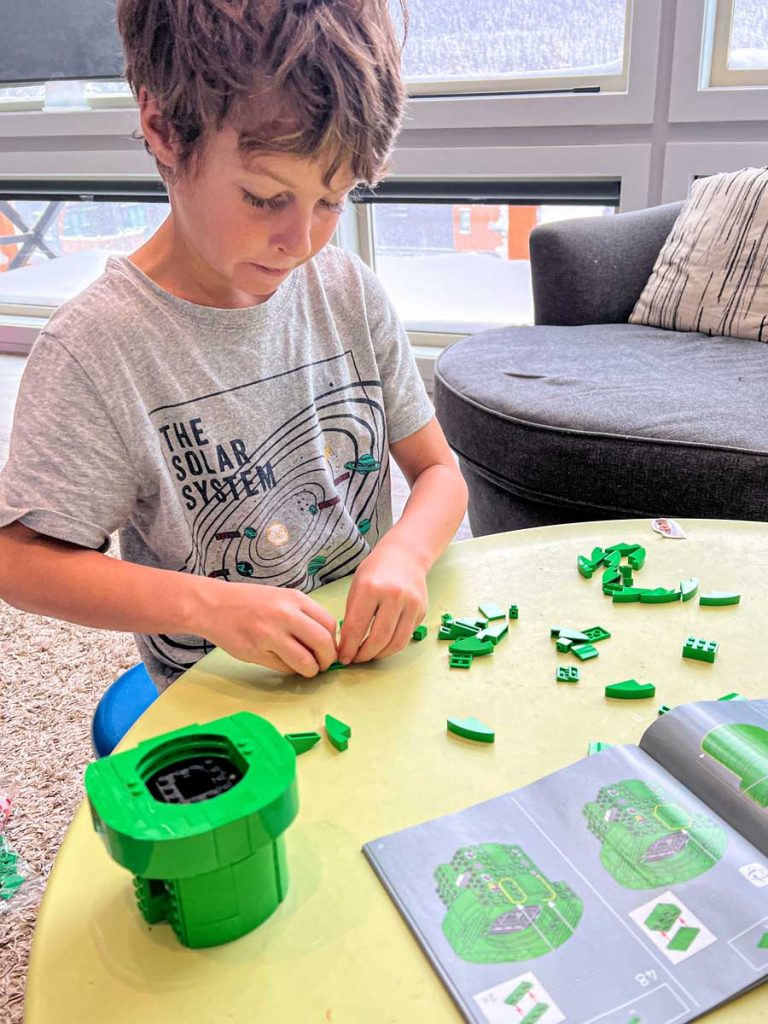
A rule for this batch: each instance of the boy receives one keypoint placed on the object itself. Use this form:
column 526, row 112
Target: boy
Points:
column 227, row 397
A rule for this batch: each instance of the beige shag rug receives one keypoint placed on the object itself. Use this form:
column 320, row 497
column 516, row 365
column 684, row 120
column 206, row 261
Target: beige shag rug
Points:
column 52, row 675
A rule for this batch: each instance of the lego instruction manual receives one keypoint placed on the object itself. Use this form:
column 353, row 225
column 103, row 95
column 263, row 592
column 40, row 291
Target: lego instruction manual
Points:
column 628, row 888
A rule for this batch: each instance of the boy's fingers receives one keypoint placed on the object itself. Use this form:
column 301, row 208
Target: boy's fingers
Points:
column 276, row 664
column 319, row 614
column 402, row 635
column 317, row 640
column 360, row 610
column 384, row 625
column 297, row 657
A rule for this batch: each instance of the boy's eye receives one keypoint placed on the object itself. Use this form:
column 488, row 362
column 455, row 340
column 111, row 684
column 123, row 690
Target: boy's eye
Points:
column 277, row 203
column 333, row 207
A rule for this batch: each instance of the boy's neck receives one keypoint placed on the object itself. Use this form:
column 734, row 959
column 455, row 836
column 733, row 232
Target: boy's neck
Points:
column 168, row 261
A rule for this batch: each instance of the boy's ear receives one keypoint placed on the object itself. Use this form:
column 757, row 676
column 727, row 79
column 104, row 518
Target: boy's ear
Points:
column 155, row 129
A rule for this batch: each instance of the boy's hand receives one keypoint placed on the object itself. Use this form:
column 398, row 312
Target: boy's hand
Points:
column 277, row 627
column 389, row 596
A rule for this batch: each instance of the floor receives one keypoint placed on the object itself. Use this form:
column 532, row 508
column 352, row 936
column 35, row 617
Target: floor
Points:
column 11, row 367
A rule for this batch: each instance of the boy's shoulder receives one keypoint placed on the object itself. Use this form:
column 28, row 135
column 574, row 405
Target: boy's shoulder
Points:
column 346, row 277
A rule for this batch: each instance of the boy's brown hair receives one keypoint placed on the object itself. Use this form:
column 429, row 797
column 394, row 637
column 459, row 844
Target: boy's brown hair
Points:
column 307, row 77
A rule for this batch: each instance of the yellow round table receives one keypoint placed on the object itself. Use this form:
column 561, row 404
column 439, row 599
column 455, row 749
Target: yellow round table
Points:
column 337, row 949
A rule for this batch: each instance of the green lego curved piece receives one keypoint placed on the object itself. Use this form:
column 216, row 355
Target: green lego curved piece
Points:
column 630, row 689
column 471, row 645
column 688, row 588
column 661, row 595
column 197, row 815
column 303, row 741
column 338, row 732
column 719, row 598
column 471, row 729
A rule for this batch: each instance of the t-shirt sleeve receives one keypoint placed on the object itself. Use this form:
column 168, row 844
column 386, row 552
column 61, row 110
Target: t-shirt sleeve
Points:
column 406, row 403
column 68, row 473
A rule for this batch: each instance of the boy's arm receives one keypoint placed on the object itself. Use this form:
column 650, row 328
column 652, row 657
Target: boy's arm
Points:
column 389, row 593
column 279, row 628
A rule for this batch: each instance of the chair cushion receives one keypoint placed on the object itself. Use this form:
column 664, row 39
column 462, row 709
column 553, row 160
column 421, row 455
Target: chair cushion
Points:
column 629, row 419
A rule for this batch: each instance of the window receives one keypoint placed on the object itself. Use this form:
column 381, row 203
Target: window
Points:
column 451, row 267
column 739, row 43
column 460, row 46
column 68, row 95
column 52, row 246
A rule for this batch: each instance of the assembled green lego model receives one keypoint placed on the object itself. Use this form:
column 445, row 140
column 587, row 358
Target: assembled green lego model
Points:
column 500, row 908
column 197, row 816
column 743, row 750
column 648, row 839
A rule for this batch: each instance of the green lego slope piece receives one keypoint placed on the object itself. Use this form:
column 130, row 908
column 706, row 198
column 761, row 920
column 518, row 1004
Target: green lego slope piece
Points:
column 743, row 750
column 596, row 633
column 471, row 645
column 597, row 746
column 338, row 732
column 419, row 633
column 471, row 729
column 495, row 633
column 662, row 917
column 688, row 588
column 700, row 650
column 732, row 696
column 466, row 627
column 197, row 816
column 585, row 651
column 683, row 939
column 491, row 611
column 567, row 675
column 303, row 741
column 460, row 661
column 630, row 689
column 763, row 942
column 561, row 633
column 719, row 598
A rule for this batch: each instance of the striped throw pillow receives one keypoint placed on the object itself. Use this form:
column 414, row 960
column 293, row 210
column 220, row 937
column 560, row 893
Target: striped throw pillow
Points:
column 712, row 272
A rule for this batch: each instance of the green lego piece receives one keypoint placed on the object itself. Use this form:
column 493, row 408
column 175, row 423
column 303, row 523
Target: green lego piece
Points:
column 563, row 645
column 626, row 575
column 597, row 556
column 663, row 709
column 763, row 942
column 612, row 560
column 518, row 992
column 495, row 633
column 732, row 696
column 471, row 729
column 335, row 666
column 514, row 612
column 303, row 741
column 460, row 661
column 491, row 611
column 636, row 558
column 622, row 548
column 700, row 650
column 609, row 589
column 419, row 633
column 688, row 588
column 596, row 633
column 585, row 651
column 445, row 633
column 718, row 598
column 683, row 939
column 471, row 645
column 338, row 732
column 585, row 567
column 662, row 917
column 197, row 815
column 630, row 689
column 597, row 746
column 612, row 576
column 627, row 595
column 660, row 596
column 559, row 632
column 446, row 619
column 567, row 675
column 466, row 627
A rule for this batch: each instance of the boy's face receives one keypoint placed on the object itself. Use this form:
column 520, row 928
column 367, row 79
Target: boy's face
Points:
column 248, row 221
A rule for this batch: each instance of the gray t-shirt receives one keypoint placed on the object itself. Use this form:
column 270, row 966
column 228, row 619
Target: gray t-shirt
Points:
column 245, row 444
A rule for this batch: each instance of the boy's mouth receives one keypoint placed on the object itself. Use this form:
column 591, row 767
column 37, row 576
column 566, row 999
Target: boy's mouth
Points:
column 275, row 272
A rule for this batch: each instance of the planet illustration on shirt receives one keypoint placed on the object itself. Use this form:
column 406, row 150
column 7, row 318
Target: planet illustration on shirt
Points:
column 365, row 464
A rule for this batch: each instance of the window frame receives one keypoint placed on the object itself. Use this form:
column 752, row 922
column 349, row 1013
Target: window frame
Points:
column 720, row 75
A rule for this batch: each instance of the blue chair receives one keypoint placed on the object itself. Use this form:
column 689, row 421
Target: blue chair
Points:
column 126, row 700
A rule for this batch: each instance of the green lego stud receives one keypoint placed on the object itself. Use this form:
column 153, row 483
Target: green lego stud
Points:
column 471, row 645
column 491, row 611
column 596, row 633
column 585, row 651
column 700, row 650
column 460, row 661
column 630, row 689
column 197, row 815
column 688, row 588
column 514, row 612
column 338, row 732
column 471, row 729
column 303, row 741
column 567, row 675
column 597, row 746
column 419, row 633
column 719, row 598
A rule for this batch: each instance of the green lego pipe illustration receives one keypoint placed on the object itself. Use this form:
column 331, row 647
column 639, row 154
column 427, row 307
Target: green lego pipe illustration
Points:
column 501, row 908
column 198, row 816
column 648, row 839
column 743, row 750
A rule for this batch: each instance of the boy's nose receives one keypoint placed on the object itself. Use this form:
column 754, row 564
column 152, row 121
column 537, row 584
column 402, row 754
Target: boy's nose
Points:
column 294, row 238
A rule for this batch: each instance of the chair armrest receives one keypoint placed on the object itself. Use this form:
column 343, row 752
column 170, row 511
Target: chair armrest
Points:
column 593, row 270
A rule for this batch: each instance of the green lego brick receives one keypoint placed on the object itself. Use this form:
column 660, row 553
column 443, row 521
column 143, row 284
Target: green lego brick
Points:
column 732, row 696
column 596, row 633
column 563, row 645
column 419, row 633
column 661, row 595
column 471, row 645
column 514, row 612
column 491, row 611
column 626, row 575
column 763, row 941
column 636, row 558
column 718, row 598
column 662, row 917
column 303, row 741
column 471, row 729
column 700, row 650
column 688, row 588
column 495, row 633
column 683, row 939
column 338, row 732
column 460, row 661
column 597, row 746
column 630, row 689
column 560, row 632
column 567, row 675
column 585, row 651
column 585, row 567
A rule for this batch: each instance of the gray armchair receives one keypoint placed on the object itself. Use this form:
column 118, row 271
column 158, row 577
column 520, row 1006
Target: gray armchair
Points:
column 585, row 416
